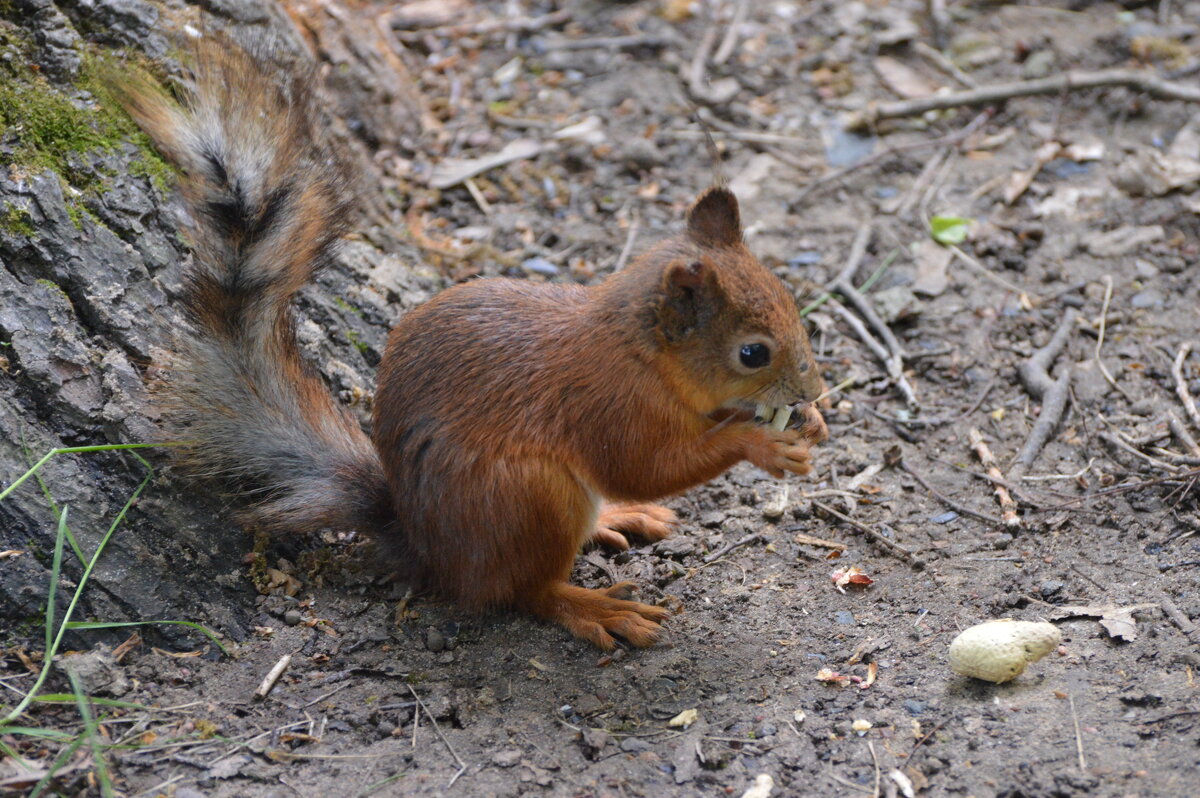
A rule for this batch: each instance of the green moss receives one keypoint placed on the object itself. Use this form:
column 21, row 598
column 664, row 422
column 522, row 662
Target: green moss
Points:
column 17, row 221
column 346, row 306
column 53, row 131
column 359, row 344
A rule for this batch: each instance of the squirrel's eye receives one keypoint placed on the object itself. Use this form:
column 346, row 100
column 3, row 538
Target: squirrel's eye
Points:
column 755, row 356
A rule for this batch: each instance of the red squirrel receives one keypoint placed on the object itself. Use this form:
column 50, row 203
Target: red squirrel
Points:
column 513, row 421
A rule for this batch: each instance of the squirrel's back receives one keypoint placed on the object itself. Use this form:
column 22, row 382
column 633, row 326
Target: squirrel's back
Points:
column 269, row 202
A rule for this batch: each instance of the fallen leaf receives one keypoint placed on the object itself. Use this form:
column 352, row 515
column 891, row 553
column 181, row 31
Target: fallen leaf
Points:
column 684, row 719
column 850, row 576
column 949, row 229
column 832, row 677
column 1117, row 621
column 902, row 79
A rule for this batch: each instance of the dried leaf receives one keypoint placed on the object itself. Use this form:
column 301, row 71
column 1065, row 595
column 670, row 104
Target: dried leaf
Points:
column 902, row 79
column 850, row 576
column 684, row 719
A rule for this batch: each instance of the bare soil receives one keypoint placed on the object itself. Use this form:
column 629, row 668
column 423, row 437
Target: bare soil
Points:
column 390, row 694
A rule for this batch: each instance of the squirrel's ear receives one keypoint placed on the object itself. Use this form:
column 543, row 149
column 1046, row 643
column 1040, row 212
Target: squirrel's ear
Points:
column 689, row 292
column 715, row 220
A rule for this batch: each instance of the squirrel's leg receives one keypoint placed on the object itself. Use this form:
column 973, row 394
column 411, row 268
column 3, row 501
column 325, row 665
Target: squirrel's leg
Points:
column 597, row 615
column 647, row 522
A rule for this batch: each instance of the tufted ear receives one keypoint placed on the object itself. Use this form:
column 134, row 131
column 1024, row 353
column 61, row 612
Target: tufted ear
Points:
column 690, row 296
column 715, row 220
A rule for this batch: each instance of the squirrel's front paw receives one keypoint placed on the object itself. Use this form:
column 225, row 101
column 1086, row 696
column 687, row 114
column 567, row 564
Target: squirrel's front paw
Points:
column 813, row 426
column 776, row 451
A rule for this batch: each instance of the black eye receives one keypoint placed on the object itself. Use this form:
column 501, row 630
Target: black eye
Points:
column 754, row 356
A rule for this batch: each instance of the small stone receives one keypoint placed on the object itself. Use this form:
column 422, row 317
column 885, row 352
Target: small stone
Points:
column 445, row 658
column 1149, row 298
column 1039, row 64
column 844, row 617
column 945, row 517
column 642, row 154
column 634, row 745
column 914, row 707
column 1051, row 588
column 507, row 758
column 1002, row 541
column 539, row 265
column 434, row 640
column 292, row 617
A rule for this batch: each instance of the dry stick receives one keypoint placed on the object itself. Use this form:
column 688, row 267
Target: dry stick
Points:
column 953, row 505
column 939, row 21
column 1075, row 80
column 875, row 536
column 1108, row 291
column 627, row 250
column 880, row 351
column 1146, row 483
column 1078, row 736
column 989, row 274
column 695, row 70
column 1054, row 402
column 462, row 766
column 721, row 552
column 1180, row 431
column 1008, row 507
column 630, row 42
column 943, row 64
column 1189, row 629
column 1034, row 373
column 1181, row 387
column 731, row 33
column 510, row 25
column 948, row 139
column 269, row 681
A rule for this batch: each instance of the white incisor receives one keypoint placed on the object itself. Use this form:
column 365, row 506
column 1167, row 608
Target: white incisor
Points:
column 998, row 651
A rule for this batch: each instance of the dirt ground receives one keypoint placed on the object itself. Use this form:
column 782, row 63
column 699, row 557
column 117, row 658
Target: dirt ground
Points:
column 389, row 694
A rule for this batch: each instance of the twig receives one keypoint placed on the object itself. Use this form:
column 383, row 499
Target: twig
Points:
column 875, row 759
column 1008, row 507
column 878, row 349
column 1078, row 736
column 1053, row 403
column 1115, row 440
column 728, row 547
column 630, row 42
column 809, row 540
column 1180, row 431
column 1034, row 372
column 510, row 25
column 875, row 536
column 731, row 33
column 626, row 250
column 948, row 139
column 858, row 250
column 906, row 468
column 1181, row 387
column 1074, row 80
column 939, row 21
column 943, row 64
column 268, row 682
column 1189, row 629
column 1108, row 292
column 462, row 766
column 989, row 274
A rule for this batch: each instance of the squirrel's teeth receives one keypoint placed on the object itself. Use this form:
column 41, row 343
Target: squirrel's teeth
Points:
column 764, row 412
column 782, row 416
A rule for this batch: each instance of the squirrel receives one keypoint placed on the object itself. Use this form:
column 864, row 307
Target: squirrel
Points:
column 513, row 422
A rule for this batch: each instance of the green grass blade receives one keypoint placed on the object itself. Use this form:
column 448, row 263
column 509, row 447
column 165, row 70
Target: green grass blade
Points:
column 210, row 634
column 69, row 698
column 48, row 734
column 115, row 447
column 60, row 760
column 55, row 571
column 93, row 737
column 48, row 657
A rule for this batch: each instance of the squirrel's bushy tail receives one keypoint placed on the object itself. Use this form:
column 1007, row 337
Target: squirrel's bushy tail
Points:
column 269, row 203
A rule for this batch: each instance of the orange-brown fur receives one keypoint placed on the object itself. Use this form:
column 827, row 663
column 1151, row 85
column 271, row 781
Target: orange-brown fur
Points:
column 507, row 413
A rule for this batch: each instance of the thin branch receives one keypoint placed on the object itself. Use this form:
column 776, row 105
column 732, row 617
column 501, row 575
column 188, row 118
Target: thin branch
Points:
column 1181, row 387
column 874, row 535
column 1074, row 80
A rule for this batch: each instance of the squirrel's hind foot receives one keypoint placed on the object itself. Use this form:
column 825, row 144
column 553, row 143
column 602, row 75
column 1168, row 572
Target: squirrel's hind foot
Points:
column 646, row 522
column 598, row 615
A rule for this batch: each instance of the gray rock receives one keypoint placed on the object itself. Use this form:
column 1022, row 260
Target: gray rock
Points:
column 507, row 758
column 98, row 673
